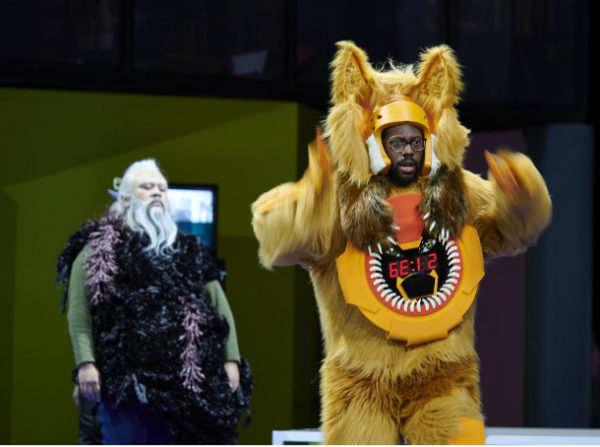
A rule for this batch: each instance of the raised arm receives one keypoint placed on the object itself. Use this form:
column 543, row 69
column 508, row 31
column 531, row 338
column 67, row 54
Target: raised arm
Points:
column 512, row 207
column 294, row 222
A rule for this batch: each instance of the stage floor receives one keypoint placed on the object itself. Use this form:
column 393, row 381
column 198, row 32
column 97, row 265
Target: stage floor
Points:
column 494, row 436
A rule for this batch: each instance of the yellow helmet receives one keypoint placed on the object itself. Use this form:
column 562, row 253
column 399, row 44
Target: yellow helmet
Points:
column 392, row 111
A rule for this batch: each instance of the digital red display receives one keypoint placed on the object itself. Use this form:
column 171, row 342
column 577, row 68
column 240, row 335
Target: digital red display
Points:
column 418, row 264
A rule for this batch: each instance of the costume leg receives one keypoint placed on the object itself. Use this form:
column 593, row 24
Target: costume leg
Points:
column 355, row 410
column 442, row 420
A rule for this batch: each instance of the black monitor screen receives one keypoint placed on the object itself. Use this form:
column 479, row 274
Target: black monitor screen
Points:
column 194, row 209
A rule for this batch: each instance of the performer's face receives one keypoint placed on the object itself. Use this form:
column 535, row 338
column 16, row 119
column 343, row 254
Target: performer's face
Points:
column 151, row 185
column 406, row 161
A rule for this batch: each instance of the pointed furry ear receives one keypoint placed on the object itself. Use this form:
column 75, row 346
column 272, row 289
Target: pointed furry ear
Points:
column 352, row 75
column 353, row 81
column 438, row 80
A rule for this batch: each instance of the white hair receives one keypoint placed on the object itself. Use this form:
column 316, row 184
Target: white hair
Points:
column 155, row 222
column 126, row 186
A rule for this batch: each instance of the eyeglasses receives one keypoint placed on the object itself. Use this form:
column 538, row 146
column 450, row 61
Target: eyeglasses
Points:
column 398, row 145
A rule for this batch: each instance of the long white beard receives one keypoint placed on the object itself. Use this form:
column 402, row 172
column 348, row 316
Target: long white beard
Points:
column 156, row 222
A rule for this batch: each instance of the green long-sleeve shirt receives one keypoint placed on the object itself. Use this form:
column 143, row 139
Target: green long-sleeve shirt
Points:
column 80, row 319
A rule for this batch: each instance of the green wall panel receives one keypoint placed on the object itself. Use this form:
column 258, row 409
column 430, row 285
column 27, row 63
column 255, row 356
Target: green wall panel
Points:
column 8, row 229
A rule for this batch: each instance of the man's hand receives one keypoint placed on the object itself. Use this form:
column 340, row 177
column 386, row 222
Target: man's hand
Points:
column 89, row 382
column 75, row 395
column 231, row 368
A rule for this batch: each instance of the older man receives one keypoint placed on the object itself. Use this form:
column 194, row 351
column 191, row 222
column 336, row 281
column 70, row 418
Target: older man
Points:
column 152, row 333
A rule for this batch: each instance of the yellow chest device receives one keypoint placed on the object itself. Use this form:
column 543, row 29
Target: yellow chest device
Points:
column 419, row 289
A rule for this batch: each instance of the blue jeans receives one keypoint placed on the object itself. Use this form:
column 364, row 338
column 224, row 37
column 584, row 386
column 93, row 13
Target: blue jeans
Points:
column 133, row 425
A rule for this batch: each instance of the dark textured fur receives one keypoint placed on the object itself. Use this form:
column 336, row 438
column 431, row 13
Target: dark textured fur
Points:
column 444, row 202
column 137, row 338
column 366, row 218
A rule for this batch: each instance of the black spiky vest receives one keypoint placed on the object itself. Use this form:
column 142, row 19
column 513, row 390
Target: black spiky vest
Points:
column 157, row 337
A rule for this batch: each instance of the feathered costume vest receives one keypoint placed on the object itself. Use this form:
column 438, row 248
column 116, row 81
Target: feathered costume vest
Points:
column 157, row 337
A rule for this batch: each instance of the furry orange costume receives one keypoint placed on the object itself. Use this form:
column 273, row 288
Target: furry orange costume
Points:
column 374, row 390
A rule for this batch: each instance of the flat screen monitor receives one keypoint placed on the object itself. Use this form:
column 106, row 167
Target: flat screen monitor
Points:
column 194, row 209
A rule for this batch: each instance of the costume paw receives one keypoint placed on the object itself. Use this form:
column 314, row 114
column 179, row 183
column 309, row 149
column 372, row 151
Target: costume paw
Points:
column 505, row 170
column 443, row 207
column 516, row 177
column 436, row 229
column 384, row 244
column 366, row 218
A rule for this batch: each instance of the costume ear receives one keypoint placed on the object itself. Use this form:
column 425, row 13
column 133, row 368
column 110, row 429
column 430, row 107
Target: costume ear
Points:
column 353, row 82
column 438, row 80
column 352, row 75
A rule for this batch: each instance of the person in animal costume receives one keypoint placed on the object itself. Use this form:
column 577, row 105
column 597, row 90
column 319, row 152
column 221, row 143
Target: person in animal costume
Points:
column 393, row 232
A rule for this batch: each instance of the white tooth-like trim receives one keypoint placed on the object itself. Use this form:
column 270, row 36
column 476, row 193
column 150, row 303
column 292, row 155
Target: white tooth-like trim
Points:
column 395, row 227
column 381, row 286
column 419, row 306
column 444, row 234
column 452, row 280
column 387, row 292
column 374, row 262
column 453, row 248
column 378, row 281
column 375, row 268
column 432, row 226
column 454, row 261
column 426, row 215
column 449, row 244
column 405, row 307
column 376, row 275
column 455, row 268
column 437, row 300
column 375, row 256
column 426, row 303
column 453, row 255
column 412, row 306
column 399, row 304
column 454, row 275
column 379, row 248
column 392, row 240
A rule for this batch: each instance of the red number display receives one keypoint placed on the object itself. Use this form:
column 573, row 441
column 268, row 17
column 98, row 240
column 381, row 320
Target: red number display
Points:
column 404, row 267
column 432, row 264
column 419, row 264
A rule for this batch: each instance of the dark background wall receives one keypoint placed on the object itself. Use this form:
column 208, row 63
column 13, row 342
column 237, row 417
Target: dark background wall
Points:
column 230, row 93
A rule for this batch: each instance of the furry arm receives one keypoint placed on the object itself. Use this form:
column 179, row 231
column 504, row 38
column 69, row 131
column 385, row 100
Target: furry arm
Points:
column 294, row 222
column 511, row 208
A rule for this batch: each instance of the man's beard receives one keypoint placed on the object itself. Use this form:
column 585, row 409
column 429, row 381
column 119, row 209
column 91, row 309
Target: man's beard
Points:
column 154, row 221
column 402, row 179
